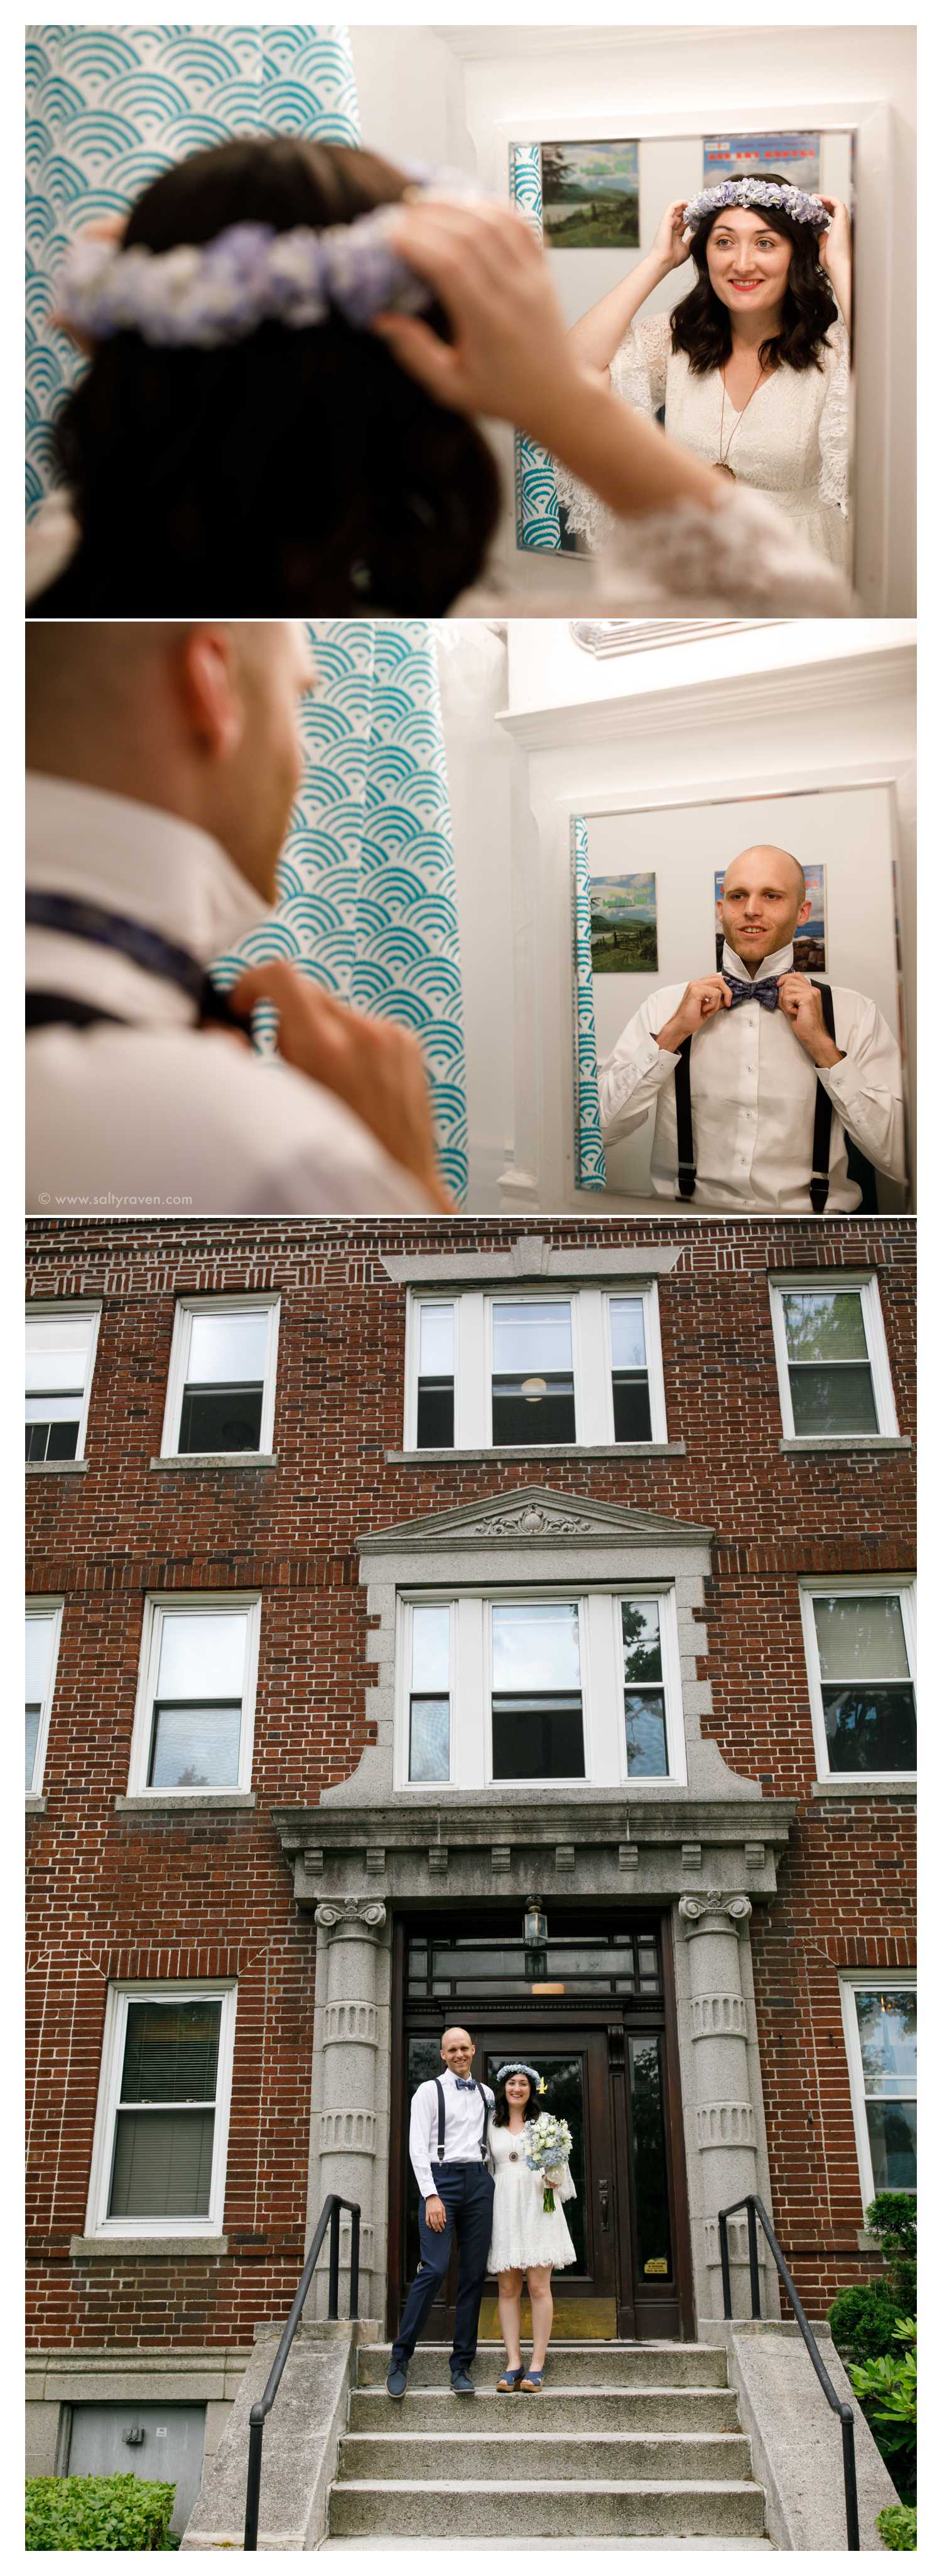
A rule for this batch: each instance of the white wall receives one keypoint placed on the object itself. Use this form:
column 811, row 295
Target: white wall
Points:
column 473, row 674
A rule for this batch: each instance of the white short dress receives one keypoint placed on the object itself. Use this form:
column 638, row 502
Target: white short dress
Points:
column 522, row 2231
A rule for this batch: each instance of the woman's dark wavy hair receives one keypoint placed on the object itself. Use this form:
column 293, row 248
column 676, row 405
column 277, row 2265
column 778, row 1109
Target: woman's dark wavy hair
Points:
column 293, row 472
column 502, row 2106
column 701, row 326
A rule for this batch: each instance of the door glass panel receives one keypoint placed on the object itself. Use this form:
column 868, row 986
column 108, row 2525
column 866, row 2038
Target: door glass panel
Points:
column 650, row 2159
column 565, row 2097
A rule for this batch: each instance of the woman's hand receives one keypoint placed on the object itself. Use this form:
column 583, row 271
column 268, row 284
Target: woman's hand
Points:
column 508, row 357
column 671, row 244
column 106, row 228
column 834, row 253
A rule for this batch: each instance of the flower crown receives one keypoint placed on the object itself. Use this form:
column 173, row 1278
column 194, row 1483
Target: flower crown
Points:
column 759, row 192
column 201, row 297
column 517, row 2067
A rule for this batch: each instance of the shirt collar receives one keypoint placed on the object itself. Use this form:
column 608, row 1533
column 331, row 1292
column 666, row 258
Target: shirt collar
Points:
column 137, row 860
column 778, row 964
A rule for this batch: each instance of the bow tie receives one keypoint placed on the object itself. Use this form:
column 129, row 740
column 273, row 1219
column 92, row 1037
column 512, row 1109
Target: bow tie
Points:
column 765, row 991
column 466, row 2084
column 135, row 939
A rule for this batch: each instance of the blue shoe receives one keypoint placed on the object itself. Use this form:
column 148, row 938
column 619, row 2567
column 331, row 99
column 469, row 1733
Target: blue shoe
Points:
column 532, row 2379
column 511, row 2380
column 396, row 2379
column 462, row 2384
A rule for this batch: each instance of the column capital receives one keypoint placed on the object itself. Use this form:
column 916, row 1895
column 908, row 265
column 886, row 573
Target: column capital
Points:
column 336, row 1911
column 693, row 1910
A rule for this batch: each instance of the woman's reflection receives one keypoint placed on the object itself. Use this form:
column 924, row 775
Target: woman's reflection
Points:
column 751, row 368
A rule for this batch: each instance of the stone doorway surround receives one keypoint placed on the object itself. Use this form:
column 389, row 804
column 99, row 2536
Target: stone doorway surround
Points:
column 706, row 1850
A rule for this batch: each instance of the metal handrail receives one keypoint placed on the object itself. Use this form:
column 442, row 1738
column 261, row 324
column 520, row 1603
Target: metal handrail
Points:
column 329, row 2217
column 754, row 2209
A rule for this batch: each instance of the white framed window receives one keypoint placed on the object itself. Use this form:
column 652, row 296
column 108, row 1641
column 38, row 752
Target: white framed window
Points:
column 532, row 1368
column 221, row 1384
column 195, row 1714
column 879, row 2013
column 159, row 2157
column 517, row 1686
column 860, row 1638
column 43, row 1624
column 60, row 1356
column 833, row 1364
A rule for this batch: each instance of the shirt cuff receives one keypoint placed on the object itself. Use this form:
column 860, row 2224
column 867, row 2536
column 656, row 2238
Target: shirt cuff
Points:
column 841, row 1081
column 634, row 1069
column 423, row 2176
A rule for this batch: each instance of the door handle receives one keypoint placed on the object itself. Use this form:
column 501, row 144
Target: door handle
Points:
column 603, row 2203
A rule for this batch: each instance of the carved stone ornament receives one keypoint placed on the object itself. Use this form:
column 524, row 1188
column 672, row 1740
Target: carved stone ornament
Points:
column 693, row 1908
column 532, row 1520
column 349, row 1909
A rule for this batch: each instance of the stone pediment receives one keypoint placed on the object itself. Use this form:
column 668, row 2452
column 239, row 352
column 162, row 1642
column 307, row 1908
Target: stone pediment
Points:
column 535, row 1512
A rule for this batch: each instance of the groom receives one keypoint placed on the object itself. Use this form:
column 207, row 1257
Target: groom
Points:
column 448, row 2150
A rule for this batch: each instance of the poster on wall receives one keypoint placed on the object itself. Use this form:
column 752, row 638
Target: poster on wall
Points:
column 590, row 196
column 794, row 156
column 809, row 941
column 623, row 923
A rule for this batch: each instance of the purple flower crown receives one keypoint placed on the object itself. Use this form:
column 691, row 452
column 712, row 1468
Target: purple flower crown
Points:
column 759, row 192
column 201, row 297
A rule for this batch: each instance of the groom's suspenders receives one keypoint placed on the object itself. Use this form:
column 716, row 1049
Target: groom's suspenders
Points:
column 440, row 2090
column 821, row 1138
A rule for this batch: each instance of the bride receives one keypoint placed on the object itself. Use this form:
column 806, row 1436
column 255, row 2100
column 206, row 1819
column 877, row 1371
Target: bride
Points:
column 750, row 368
column 524, row 2238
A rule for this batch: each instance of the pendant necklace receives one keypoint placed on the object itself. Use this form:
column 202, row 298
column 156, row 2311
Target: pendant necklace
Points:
column 721, row 466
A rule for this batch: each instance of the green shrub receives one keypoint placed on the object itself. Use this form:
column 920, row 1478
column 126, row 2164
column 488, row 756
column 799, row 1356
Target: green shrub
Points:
column 98, row 2513
column 886, row 2389
column 897, row 2526
column 891, row 2218
column 862, row 2320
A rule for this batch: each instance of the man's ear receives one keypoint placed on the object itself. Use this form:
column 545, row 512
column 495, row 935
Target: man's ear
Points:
column 804, row 911
column 210, row 691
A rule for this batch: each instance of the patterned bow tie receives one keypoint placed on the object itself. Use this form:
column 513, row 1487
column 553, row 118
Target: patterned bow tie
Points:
column 766, row 992
column 466, row 2084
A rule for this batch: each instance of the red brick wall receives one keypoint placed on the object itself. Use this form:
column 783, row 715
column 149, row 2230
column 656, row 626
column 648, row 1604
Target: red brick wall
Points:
column 115, row 1894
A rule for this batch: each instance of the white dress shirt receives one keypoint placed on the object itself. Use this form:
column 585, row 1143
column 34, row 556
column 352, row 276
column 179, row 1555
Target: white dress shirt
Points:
column 164, row 1114
column 464, row 2121
column 752, row 1094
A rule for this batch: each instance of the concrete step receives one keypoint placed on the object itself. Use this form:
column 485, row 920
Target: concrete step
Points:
column 583, row 2508
column 543, row 2453
column 601, row 2365
column 563, row 2410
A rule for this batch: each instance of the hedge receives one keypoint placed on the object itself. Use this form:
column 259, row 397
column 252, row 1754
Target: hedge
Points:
column 98, row 2513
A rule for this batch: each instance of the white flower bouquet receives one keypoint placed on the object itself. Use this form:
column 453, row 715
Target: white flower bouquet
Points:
column 548, row 2147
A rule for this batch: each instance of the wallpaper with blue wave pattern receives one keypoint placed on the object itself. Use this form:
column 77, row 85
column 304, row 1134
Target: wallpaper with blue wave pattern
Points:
column 537, row 502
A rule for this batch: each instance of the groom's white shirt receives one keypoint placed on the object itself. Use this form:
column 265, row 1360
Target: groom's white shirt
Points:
column 464, row 2119
column 165, row 1114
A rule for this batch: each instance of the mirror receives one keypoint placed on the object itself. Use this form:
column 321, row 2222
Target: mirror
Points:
column 786, row 430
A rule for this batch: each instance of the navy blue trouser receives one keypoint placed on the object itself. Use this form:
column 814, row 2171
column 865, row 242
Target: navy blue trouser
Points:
column 468, row 2195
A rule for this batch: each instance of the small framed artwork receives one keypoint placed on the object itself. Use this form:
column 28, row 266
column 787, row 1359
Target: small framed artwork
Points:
column 793, row 156
column 810, row 944
column 590, row 196
column 623, row 923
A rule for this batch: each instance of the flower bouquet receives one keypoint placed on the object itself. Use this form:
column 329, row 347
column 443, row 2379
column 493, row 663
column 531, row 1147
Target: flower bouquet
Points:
column 549, row 2144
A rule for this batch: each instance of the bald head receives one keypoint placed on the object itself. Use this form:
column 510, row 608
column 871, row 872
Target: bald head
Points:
column 457, row 2049
column 763, row 901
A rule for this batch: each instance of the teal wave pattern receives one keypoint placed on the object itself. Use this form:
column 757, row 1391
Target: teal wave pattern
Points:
column 109, row 108
column 537, row 503
column 591, row 1172
column 367, row 905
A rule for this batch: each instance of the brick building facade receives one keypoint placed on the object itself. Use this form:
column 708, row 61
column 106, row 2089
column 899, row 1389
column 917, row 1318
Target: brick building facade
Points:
column 322, row 1898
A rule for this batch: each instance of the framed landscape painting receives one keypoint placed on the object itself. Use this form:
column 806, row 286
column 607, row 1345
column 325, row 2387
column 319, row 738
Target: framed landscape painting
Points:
column 590, row 196
column 794, row 156
column 623, row 923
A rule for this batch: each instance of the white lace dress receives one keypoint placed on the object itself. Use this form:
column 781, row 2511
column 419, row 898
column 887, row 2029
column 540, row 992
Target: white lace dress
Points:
column 521, row 2230
column 791, row 444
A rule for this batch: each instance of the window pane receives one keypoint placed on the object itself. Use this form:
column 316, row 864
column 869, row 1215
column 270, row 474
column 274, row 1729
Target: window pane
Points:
column 38, row 1651
column 220, row 1418
column 162, row 2164
column 428, row 1739
column 839, row 1399
column 33, row 1714
column 196, row 1748
column 871, row 1729
column 538, row 1739
column 228, row 1347
column 530, row 1339
column 431, row 1646
column 51, row 1440
column 646, row 1734
column 641, row 1640
column 861, row 1633
column 650, row 2159
column 632, row 1408
column 57, row 1350
column 892, row 2131
column 530, row 1410
column 435, row 1414
column 628, row 1350
column 436, row 1341
column 535, row 1645
column 171, row 2050
column 54, row 1408
column 202, row 1654
column 886, row 2021
column 824, row 1326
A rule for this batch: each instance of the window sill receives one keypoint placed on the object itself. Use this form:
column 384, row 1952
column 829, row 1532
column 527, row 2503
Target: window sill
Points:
column 848, row 1440
column 538, row 1449
column 174, row 1802
column 860, row 1787
column 227, row 1458
column 107, row 2249
column 35, row 1802
column 867, row 2244
column 57, row 1466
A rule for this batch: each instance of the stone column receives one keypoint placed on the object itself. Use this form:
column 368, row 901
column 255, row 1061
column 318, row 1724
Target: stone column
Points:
column 724, row 2125
column 350, row 2124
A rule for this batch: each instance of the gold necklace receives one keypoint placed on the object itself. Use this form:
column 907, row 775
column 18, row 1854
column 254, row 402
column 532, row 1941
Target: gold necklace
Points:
column 721, row 466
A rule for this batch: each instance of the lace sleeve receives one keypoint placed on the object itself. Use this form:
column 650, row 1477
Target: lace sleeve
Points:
column 567, row 2188
column 638, row 371
column 741, row 557
column 834, row 430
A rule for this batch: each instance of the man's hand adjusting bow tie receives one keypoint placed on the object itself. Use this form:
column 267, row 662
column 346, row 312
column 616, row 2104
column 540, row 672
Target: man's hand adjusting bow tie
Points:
column 801, row 1002
column 764, row 990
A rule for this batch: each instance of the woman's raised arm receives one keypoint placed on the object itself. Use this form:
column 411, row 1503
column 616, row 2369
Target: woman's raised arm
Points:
column 601, row 331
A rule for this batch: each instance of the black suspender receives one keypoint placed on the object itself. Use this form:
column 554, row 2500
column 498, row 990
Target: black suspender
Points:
column 440, row 2090
column 820, row 1180
column 821, row 1140
column 686, row 1167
